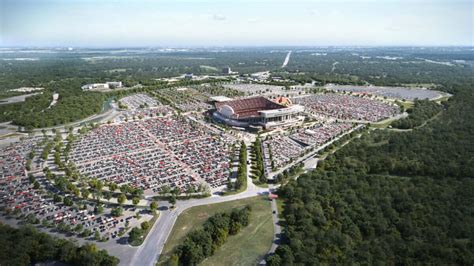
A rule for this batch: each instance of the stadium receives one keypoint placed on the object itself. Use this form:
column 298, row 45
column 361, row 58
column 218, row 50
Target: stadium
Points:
column 256, row 112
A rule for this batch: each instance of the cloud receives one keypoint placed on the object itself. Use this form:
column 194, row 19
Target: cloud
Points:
column 219, row 17
column 393, row 28
column 253, row 20
column 314, row 12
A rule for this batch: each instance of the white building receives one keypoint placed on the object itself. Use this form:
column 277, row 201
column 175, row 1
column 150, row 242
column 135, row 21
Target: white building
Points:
column 102, row 86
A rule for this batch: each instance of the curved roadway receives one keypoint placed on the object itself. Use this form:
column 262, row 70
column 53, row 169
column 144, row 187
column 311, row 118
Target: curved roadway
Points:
column 149, row 252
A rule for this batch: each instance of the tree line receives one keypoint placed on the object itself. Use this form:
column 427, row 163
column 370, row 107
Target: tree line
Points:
column 388, row 197
column 241, row 170
column 421, row 112
column 27, row 246
column 201, row 244
column 258, row 168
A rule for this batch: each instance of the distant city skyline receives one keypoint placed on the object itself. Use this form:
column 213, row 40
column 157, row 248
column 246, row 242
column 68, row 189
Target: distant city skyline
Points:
column 120, row 23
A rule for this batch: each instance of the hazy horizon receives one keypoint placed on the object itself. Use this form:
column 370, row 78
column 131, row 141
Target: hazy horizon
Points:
column 212, row 23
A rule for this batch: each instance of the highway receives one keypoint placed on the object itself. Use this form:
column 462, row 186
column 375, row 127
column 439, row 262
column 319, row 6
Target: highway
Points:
column 287, row 60
column 97, row 118
column 17, row 99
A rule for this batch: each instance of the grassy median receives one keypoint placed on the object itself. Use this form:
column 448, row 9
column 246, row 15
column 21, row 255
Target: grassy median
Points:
column 245, row 248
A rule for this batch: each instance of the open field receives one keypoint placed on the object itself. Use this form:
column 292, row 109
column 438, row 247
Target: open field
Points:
column 245, row 248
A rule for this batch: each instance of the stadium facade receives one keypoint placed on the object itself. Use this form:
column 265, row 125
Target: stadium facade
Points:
column 257, row 112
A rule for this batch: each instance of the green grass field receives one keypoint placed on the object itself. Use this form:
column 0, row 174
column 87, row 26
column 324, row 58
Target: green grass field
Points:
column 245, row 248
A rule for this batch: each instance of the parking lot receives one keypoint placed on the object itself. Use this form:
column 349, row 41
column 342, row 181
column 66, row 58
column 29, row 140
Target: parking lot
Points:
column 162, row 151
column 346, row 107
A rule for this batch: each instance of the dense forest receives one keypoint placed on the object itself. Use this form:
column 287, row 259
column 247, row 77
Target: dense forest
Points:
column 421, row 112
column 130, row 66
column 27, row 246
column 35, row 112
column 389, row 197
column 380, row 66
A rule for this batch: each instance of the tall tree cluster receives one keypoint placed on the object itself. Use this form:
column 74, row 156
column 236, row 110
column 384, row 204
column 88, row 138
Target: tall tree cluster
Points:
column 202, row 243
column 421, row 112
column 259, row 168
column 388, row 198
column 27, row 246
column 242, row 170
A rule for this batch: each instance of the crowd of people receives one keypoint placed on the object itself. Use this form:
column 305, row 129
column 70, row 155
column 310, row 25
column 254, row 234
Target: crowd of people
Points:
column 345, row 107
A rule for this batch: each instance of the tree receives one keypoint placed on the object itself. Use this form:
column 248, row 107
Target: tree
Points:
column 135, row 236
column 85, row 193
column 78, row 229
column 174, row 260
column 68, row 201
column 26, row 246
column 172, row 200
column 87, row 232
column 153, row 206
column 112, row 186
column 286, row 254
column 116, row 212
column 98, row 209
column 121, row 199
column 96, row 235
column 135, row 201
column 57, row 198
column 165, row 190
column 273, row 260
column 145, row 225
column 202, row 243
column 31, row 178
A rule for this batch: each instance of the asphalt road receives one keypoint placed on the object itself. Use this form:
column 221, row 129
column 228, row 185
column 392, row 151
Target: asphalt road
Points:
column 287, row 60
column 148, row 253
column 276, row 225
column 17, row 99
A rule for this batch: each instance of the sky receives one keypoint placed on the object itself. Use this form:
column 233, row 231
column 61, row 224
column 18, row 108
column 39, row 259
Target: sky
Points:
column 188, row 23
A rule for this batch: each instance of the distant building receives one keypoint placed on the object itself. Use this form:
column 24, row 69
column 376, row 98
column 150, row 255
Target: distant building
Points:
column 95, row 86
column 226, row 71
column 259, row 76
column 188, row 76
column 27, row 89
column 220, row 99
column 102, row 86
column 115, row 84
column 257, row 112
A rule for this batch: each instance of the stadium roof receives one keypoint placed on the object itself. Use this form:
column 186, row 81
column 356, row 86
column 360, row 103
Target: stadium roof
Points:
column 249, row 107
